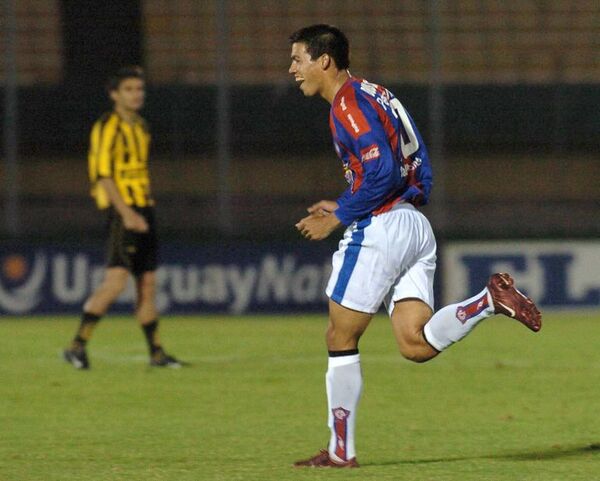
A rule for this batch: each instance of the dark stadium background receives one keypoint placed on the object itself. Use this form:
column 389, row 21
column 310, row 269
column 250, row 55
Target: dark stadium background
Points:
column 506, row 95
column 516, row 117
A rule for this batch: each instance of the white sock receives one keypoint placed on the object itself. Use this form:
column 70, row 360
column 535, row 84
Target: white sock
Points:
column 344, row 386
column 451, row 323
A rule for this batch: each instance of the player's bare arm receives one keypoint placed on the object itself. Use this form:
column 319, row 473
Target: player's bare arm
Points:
column 131, row 219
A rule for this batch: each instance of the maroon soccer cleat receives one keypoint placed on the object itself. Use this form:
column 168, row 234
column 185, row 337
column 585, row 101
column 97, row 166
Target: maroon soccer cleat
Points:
column 322, row 460
column 511, row 302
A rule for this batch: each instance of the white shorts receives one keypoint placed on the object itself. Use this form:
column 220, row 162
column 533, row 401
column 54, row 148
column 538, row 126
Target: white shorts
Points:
column 384, row 258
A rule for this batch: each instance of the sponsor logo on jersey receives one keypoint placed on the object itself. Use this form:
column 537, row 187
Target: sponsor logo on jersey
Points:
column 134, row 174
column 414, row 165
column 370, row 153
column 343, row 104
column 348, row 175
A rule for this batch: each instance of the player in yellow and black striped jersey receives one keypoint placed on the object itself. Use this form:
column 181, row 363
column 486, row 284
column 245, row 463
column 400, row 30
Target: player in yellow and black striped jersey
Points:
column 120, row 185
column 119, row 150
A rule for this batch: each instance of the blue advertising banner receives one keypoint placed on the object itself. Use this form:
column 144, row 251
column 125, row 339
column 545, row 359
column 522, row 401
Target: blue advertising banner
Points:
column 229, row 279
column 241, row 279
column 562, row 274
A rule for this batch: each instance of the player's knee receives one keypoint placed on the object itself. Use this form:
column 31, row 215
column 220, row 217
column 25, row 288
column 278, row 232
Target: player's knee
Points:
column 341, row 339
column 411, row 347
column 414, row 354
column 147, row 288
column 147, row 283
column 114, row 286
column 332, row 337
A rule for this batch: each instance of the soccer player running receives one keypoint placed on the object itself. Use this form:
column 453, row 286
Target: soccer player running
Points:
column 388, row 251
column 120, row 184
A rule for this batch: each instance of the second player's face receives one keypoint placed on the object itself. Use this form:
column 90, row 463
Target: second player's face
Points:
column 130, row 95
column 306, row 71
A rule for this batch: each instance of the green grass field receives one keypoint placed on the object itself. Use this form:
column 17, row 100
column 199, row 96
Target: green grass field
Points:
column 504, row 404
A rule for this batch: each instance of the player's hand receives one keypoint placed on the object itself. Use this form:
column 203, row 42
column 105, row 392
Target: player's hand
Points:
column 318, row 226
column 323, row 207
column 134, row 221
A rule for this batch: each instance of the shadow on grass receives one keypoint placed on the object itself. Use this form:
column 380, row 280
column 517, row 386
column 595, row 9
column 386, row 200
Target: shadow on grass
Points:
column 554, row 452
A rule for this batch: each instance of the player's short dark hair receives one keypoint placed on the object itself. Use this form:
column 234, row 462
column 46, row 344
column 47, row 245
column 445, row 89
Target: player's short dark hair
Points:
column 320, row 39
column 131, row 71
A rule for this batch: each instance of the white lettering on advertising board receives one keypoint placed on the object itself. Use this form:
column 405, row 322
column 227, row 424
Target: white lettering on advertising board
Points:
column 553, row 273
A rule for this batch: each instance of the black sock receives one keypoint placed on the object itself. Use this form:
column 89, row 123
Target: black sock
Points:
column 349, row 352
column 151, row 334
column 86, row 327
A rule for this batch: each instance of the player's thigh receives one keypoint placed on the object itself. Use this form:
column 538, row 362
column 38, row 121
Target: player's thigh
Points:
column 146, row 256
column 121, row 245
column 346, row 326
column 115, row 278
column 361, row 272
column 415, row 281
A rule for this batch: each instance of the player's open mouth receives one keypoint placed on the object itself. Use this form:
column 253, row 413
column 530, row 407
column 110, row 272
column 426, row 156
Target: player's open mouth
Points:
column 299, row 80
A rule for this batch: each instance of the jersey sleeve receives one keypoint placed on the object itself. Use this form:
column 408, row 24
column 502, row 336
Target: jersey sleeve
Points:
column 102, row 140
column 418, row 166
column 363, row 137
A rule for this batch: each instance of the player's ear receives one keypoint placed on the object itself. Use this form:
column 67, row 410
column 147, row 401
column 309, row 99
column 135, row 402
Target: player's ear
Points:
column 325, row 61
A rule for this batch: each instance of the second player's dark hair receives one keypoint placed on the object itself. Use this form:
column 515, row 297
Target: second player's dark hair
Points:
column 131, row 71
column 320, row 39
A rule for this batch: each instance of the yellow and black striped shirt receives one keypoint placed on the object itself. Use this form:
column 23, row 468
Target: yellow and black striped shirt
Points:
column 119, row 150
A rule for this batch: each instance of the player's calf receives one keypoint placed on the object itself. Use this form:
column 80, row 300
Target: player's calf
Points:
column 408, row 319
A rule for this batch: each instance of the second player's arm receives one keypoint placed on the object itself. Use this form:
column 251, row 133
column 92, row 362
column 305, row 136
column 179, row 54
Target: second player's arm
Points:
column 131, row 219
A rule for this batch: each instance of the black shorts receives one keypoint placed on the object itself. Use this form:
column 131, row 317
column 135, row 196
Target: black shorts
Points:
column 137, row 252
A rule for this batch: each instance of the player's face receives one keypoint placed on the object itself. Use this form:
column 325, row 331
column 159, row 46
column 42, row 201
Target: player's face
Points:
column 307, row 72
column 130, row 94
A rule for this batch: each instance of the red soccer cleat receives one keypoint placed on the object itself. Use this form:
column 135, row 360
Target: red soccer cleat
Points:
column 322, row 460
column 511, row 302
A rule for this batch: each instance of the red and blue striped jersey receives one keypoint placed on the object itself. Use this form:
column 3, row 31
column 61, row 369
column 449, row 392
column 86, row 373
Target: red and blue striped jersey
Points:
column 385, row 160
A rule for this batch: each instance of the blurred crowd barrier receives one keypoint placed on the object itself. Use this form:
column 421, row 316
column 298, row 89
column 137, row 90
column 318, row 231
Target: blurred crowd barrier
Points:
column 480, row 41
column 516, row 121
